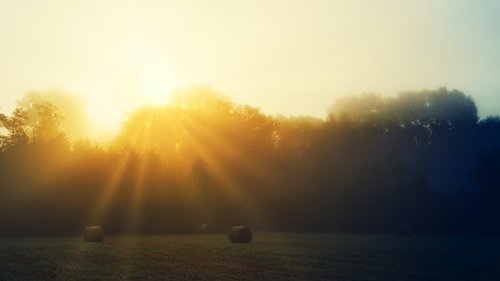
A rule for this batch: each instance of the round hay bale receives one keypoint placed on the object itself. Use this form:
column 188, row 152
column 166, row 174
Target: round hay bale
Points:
column 204, row 228
column 93, row 234
column 404, row 230
column 240, row 234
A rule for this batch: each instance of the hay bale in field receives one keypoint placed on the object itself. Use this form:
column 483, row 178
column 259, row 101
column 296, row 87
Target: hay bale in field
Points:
column 204, row 228
column 404, row 230
column 240, row 234
column 93, row 234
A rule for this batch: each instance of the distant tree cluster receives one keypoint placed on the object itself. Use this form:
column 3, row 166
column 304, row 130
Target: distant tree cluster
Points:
column 421, row 158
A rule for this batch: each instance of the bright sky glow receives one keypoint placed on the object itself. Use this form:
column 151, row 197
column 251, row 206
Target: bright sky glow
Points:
column 288, row 57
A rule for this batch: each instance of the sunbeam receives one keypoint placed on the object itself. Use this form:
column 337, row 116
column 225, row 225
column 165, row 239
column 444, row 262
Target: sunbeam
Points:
column 139, row 182
column 210, row 147
column 111, row 186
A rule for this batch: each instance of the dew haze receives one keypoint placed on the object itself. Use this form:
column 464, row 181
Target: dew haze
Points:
column 358, row 140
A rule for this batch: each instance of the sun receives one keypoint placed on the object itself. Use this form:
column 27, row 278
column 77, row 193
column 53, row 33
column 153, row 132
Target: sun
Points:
column 156, row 88
column 152, row 70
column 155, row 80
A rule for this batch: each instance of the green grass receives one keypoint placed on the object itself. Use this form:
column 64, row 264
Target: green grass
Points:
column 270, row 256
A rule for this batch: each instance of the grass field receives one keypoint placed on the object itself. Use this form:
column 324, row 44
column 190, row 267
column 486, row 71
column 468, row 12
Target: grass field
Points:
column 271, row 256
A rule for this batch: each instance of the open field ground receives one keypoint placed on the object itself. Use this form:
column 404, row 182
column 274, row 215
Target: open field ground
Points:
column 271, row 256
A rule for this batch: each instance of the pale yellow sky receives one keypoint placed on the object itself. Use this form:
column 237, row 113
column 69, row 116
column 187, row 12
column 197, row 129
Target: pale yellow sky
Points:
column 288, row 57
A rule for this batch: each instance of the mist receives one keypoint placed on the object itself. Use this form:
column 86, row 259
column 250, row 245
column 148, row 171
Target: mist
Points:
column 423, row 158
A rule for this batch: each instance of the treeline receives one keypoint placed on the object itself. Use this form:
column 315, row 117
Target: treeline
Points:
column 421, row 158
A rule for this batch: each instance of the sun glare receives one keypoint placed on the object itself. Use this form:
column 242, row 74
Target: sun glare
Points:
column 148, row 79
column 156, row 89
column 155, row 78
column 106, row 119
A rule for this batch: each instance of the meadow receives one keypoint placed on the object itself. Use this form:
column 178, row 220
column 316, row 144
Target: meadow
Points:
column 271, row 256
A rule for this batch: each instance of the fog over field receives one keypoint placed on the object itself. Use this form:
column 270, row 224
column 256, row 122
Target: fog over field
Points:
column 262, row 140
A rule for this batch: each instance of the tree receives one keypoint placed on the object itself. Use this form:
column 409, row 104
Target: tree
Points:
column 47, row 125
column 16, row 129
column 69, row 105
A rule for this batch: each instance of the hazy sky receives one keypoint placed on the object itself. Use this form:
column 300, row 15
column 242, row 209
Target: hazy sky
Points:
column 289, row 57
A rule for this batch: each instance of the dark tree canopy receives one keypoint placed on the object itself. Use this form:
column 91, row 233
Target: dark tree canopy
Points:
column 421, row 158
